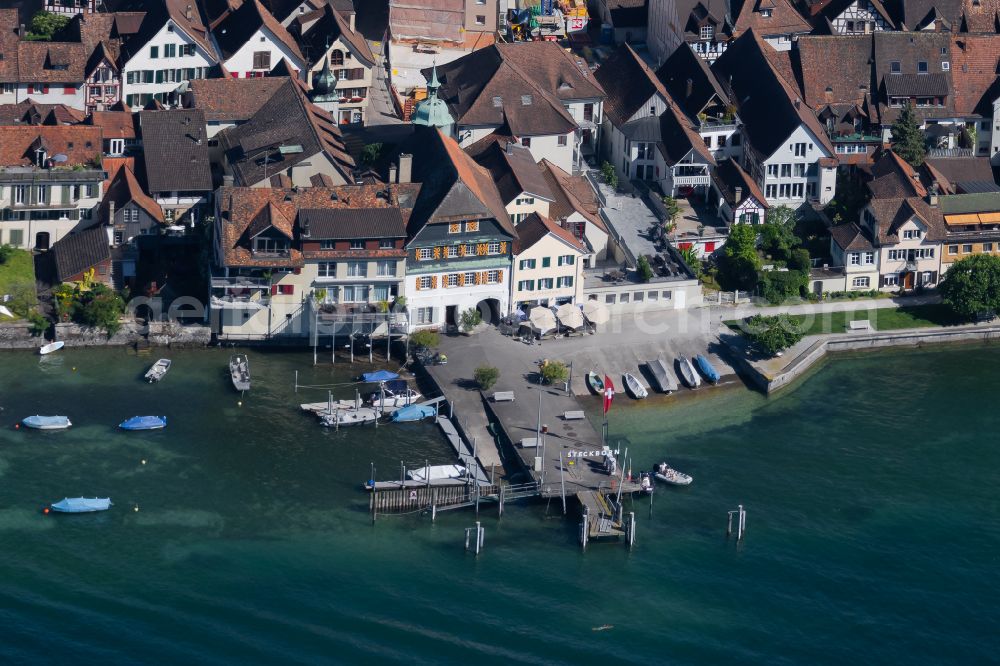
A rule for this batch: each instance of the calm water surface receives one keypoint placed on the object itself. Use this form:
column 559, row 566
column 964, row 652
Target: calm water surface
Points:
column 874, row 527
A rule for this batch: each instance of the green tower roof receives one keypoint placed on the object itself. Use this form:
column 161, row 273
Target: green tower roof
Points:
column 432, row 112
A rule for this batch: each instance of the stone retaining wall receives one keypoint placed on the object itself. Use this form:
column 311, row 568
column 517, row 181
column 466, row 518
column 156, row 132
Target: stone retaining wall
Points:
column 160, row 334
column 842, row 343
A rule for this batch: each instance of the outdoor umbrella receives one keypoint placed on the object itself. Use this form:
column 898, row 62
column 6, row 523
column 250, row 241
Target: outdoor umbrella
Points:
column 595, row 313
column 569, row 315
column 542, row 319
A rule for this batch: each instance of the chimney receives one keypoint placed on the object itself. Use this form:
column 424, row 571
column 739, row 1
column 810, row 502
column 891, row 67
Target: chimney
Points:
column 738, row 194
column 392, row 173
column 405, row 168
column 509, row 147
column 111, row 212
column 21, row 33
column 188, row 13
column 227, row 180
column 689, row 88
column 305, row 228
column 351, row 17
column 798, row 102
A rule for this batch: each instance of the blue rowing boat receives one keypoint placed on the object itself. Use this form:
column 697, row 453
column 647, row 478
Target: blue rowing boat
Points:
column 711, row 374
column 378, row 376
column 144, row 423
column 413, row 413
column 81, row 505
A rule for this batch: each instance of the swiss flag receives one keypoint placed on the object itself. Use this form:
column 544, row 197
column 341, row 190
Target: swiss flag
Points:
column 609, row 393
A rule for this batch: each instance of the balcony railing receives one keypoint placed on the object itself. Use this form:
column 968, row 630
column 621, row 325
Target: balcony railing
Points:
column 681, row 181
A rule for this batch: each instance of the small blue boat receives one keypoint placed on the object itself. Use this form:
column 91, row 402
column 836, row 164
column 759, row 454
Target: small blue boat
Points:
column 711, row 374
column 379, row 376
column 144, row 423
column 81, row 505
column 413, row 413
column 47, row 422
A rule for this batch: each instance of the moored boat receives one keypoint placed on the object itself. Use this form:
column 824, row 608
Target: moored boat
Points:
column 707, row 369
column 436, row 473
column 687, row 372
column 394, row 393
column 413, row 413
column 341, row 418
column 80, row 505
column 634, row 386
column 158, row 369
column 645, row 483
column 668, row 474
column 47, row 422
column 662, row 377
column 595, row 383
column 144, row 423
column 51, row 347
column 239, row 371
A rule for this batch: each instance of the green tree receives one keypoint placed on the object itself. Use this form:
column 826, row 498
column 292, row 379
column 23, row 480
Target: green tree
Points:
column 553, row 372
column 772, row 333
column 469, row 319
column 371, row 153
column 739, row 262
column 777, row 235
column 44, row 25
column 972, row 285
column 23, row 297
column 425, row 339
column 690, row 257
column 487, row 376
column 99, row 307
column 6, row 252
column 643, row 269
column 610, row 177
column 907, row 139
column 778, row 286
column 39, row 324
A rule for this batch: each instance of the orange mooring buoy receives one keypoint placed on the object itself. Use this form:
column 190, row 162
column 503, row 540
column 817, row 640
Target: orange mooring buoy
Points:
column 45, row 510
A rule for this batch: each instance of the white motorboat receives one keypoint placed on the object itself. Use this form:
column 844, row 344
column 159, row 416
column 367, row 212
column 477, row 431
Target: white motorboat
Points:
column 340, row 418
column 239, row 371
column 688, row 373
column 668, row 474
column 634, row 386
column 158, row 369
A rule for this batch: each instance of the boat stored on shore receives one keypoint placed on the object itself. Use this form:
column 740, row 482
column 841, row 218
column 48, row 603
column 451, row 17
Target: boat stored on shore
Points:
column 668, row 474
column 239, row 371
column 707, row 369
column 688, row 373
column 47, row 422
column 158, row 369
column 634, row 386
column 595, row 383
column 80, row 505
column 144, row 423
column 663, row 379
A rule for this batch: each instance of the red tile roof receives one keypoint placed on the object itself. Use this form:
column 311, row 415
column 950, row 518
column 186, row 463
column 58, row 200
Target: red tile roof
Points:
column 974, row 62
column 535, row 227
column 80, row 143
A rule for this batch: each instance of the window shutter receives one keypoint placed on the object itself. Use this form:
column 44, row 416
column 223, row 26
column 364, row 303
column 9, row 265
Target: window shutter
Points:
column 461, row 279
column 434, row 281
column 934, row 277
column 881, row 281
column 417, row 287
column 500, row 276
column 274, row 289
column 45, row 89
column 65, row 194
column 358, row 73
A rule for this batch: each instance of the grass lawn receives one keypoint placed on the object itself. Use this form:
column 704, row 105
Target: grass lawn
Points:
column 884, row 319
column 18, row 269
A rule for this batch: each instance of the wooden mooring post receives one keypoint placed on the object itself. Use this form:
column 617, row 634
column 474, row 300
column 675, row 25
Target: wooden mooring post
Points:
column 630, row 529
column 585, row 528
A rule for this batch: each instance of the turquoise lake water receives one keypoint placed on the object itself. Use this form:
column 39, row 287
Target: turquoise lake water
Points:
column 871, row 490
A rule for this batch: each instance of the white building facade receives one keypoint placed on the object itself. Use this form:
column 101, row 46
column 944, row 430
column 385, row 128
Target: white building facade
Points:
column 159, row 66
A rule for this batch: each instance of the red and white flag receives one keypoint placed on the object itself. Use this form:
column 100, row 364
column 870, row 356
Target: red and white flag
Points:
column 609, row 393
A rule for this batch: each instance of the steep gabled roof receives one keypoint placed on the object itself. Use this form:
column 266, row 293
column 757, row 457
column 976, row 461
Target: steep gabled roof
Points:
column 286, row 119
column 919, row 14
column 835, row 70
column 892, row 177
column 891, row 214
column 175, row 151
column 125, row 189
column 908, row 49
column 327, row 27
column 554, row 69
column 75, row 253
column 8, row 45
column 452, row 184
column 684, row 66
column 784, row 19
column 768, row 105
column 975, row 65
column 629, row 84
column 535, row 227
column 52, row 62
column 229, row 99
column 488, row 88
column 729, row 175
column 512, row 168
column 851, row 238
column 184, row 14
column 573, row 194
column 114, row 124
column 239, row 26
column 831, row 10
column 80, row 143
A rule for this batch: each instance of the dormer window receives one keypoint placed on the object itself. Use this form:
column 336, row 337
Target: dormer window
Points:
column 766, row 13
column 40, row 157
column 707, row 32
